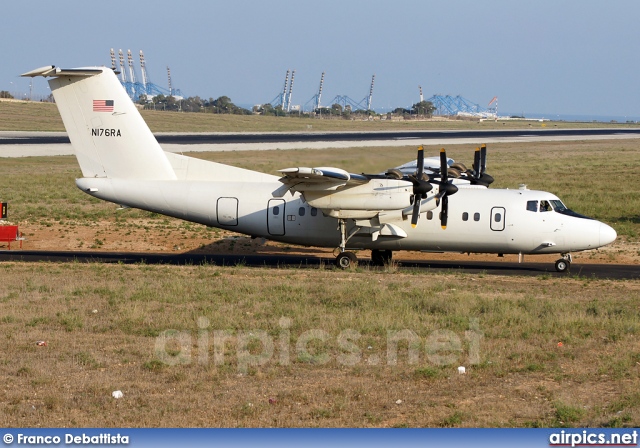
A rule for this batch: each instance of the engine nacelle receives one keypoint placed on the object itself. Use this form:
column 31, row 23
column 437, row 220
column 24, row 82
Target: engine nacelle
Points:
column 377, row 194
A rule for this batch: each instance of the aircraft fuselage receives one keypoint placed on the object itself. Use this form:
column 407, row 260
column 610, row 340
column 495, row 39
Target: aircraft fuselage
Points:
column 480, row 220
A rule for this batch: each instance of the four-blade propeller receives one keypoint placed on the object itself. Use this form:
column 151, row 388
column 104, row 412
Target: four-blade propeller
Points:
column 421, row 187
column 446, row 189
column 423, row 183
column 478, row 175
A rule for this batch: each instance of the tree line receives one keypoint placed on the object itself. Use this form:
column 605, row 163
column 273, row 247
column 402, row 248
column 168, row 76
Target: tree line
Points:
column 224, row 105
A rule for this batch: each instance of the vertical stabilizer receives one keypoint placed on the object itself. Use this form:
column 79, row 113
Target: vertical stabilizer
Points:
column 107, row 133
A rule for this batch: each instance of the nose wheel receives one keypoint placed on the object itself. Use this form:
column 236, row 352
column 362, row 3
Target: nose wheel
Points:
column 564, row 264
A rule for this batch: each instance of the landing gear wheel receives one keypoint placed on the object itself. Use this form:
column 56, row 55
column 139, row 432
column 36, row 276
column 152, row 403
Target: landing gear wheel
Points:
column 347, row 260
column 562, row 265
column 381, row 257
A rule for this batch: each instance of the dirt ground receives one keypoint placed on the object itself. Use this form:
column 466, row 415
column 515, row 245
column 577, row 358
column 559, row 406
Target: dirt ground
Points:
column 174, row 236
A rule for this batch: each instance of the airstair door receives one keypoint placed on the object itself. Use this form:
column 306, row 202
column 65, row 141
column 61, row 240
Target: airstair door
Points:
column 227, row 211
column 275, row 217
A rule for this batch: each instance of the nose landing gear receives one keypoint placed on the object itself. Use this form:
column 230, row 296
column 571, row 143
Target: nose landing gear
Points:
column 564, row 264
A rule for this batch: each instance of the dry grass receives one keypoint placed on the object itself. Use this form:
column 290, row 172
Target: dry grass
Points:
column 102, row 323
column 33, row 116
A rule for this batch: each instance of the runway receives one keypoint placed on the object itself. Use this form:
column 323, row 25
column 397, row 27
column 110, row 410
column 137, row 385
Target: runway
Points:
column 599, row 271
column 24, row 144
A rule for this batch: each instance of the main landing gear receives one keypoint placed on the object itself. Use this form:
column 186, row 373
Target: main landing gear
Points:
column 348, row 260
column 381, row 257
column 564, row 264
column 345, row 259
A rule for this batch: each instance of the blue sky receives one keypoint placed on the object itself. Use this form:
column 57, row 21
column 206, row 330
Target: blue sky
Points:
column 543, row 56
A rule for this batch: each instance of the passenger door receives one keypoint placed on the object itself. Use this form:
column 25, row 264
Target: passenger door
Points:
column 498, row 217
column 275, row 216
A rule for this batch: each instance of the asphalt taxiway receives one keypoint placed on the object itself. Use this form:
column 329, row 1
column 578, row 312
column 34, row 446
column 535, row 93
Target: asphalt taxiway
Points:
column 24, row 144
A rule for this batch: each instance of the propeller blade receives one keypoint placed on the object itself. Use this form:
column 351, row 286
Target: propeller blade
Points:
column 476, row 162
column 420, row 180
column 444, row 212
column 420, row 162
column 416, row 211
column 483, row 156
column 443, row 165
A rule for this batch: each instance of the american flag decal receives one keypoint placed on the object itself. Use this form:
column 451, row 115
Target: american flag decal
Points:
column 103, row 105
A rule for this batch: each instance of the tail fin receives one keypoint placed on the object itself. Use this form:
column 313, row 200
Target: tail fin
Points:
column 107, row 133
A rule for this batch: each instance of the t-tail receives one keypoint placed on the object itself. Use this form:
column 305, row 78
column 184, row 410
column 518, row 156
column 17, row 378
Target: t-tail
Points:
column 107, row 132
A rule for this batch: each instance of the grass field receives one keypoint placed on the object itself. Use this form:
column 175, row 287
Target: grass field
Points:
column 32, row 116
column 193, row 346
column 314, row 348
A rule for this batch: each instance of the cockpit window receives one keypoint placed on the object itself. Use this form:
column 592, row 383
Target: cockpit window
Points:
column 562, row 209
column 545, row 206
column 558, row 206
column 532, row 206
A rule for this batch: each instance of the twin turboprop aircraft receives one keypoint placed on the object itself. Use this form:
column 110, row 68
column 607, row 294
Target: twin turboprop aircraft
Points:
column 406, row 208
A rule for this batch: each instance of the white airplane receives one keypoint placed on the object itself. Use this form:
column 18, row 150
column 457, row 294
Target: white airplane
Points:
column 407, row 208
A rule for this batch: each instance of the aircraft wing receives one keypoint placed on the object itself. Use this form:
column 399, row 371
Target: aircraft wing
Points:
column 319, row 179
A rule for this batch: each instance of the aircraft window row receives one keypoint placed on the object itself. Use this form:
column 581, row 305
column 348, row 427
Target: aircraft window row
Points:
column 465, row 216
column 302, row 211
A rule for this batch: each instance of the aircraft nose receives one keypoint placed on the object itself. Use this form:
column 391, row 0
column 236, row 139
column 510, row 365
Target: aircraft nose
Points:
column 607, row 235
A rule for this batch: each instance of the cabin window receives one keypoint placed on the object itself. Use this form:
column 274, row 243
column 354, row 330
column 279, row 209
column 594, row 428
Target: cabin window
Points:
column 465, row 216
column 301, row 211
column 545, row 206
column 429, row 215
column 276, row 210
column 498, row 217
column 532, row 206
column 314, row 211
column 476, row 217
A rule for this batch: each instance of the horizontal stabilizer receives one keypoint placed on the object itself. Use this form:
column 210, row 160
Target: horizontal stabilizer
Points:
column 52, row 70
